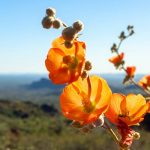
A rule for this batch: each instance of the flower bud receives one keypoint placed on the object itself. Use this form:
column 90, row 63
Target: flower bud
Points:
column 131, row 32
column 122, row 36
column 84, row 74
column 50, row 12
column 68, row 44
column 69, row 34
column 57, row 23
column 88, row 65
column 78, row 26
column 136, row 136
column 114, row 48
column 47, row 22
column 129, row 27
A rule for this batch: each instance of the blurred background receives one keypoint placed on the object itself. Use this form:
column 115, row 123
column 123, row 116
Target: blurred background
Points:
column 30, row 116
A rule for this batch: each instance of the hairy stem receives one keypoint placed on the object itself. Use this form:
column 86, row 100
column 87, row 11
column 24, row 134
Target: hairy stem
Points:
column 110, row 130
column 64, row 24
column 123, row 68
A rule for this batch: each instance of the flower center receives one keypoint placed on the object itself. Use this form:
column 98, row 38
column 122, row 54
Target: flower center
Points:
column 124, row 115
column 70, row 61
column 88, row 106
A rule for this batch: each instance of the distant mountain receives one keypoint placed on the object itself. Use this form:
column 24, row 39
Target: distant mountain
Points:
column 43, row 83
column 115, row 82
column 127, row 89
column 40, row 89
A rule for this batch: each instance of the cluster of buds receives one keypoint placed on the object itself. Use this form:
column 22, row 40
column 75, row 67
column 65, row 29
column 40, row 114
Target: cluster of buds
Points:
column 71, row 33
column 50, row 20
column 69, row 39
column 130, row 30
column 122, row 37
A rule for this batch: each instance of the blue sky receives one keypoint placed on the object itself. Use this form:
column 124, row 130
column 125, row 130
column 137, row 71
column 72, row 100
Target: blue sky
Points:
column 24, row 43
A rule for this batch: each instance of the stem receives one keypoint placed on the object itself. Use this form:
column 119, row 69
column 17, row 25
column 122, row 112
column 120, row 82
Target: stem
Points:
column 121, row 43
column 147, row 92
column 64, row 24
column 132, row 80
column 119, row 46
column 110, row 130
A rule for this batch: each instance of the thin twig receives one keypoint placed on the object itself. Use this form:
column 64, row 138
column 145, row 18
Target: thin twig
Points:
column 64, row 24
column 131, row 79
column 112, row 133
column 147, row 92
column 118, row 47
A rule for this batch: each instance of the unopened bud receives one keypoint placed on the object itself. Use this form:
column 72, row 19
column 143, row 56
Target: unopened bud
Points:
column 88, row 65
column 132, row 32
column 114, row 48
column 50, row 12
column 122, row 36
column 69, row 34
column 129, row 27
column 78, row 26
column 68, row 44
column 47, row 22
column 136, row 136
column 84, row 74
column 57, row 23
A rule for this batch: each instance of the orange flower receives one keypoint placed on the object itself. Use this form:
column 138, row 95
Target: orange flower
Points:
column 85, row 99
column 129, row 109
column 65, row 65
column 130, row 71
column 117, row 59
column 145, row 82
column 148, row 102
